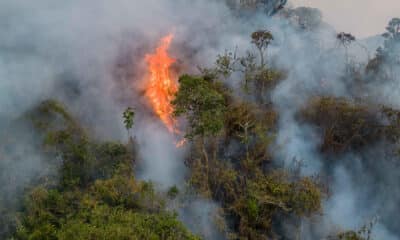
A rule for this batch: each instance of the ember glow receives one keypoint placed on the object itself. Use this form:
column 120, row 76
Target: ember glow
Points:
column 161, row 87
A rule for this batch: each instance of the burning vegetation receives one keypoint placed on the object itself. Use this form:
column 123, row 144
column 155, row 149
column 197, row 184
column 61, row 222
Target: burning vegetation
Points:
column 233, row 160
column 161, row 87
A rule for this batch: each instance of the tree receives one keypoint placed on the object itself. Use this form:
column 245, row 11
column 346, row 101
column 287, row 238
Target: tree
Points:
column 249, row 68
column 128, row 117
column 387, row 55
column 271, row 7
column 345, row 39
column 204, row 106
column 391, row 48
column 116, row 208
column 393, row 31
column 225, row 64
column 201, row 102
column 257, row 76
column 307, row 18
column 364, row 233
column 261, row 39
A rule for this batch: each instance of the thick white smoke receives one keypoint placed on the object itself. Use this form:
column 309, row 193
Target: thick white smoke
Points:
column 89, row 54
column 360, row 189
column 72, row 51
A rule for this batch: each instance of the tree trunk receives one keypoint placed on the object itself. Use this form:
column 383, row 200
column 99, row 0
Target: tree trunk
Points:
column 206, row 160
column 261, row 57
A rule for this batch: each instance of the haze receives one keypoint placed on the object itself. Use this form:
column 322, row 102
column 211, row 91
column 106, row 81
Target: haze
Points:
column 363, row 18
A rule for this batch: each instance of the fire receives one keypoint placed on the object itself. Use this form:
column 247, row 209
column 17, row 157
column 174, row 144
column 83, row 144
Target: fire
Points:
column 161, row 88
column 181, row 143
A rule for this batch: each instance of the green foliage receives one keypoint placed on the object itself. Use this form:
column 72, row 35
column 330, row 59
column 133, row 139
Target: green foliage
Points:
column 261, row 39
column 203, row 105
column 373, row 67
column 173, row 192
column 51, row 214
column 350, row 235
column 347, row 125
column 255, row 202
column 125, row 191
column 265, row 79
column 128, row 116
column 248, row 62
column 381, row 66
column 257, row 77
column 364, row 233
column 63, row 137
column 392, row 39
column 253, row 126
column 255, row 199
column 104, row 222
column 50, row 114
column 84, row 160
column 95, row 195
column 301, row 197
column 225, row 64
column 344, row 124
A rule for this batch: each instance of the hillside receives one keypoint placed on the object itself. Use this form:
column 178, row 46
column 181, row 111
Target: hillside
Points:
column 242, row 120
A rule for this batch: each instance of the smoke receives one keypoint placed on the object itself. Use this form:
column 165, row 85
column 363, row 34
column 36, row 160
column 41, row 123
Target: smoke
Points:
column 90, row 55
column 162, row 160
column 202, row 217
column 345, row 15
column 363, row 183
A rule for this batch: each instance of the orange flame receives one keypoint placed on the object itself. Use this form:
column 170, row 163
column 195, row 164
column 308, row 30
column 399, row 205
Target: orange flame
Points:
column 161, row 88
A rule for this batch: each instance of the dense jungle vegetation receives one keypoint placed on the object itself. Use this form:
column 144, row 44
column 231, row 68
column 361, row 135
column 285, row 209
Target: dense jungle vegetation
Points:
column 92, row 192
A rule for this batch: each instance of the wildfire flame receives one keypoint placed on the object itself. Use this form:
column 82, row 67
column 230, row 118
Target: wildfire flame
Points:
column 161, row 88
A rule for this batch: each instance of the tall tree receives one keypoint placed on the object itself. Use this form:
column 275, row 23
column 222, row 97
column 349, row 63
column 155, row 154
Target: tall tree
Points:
column 261, row 39
column 202, row 104
column 392, row 41
column 128, row 116
column 388, row 55
column 345, row 40
column 204, row 107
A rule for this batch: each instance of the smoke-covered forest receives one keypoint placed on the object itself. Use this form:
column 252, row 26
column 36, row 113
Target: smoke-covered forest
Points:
column 202, row 119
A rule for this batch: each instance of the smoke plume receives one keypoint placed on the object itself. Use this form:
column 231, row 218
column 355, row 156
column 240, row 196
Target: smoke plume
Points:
column 90, row 55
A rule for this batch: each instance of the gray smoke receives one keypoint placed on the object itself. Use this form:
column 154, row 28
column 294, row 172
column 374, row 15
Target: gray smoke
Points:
column 89, row 54
column 363, row 183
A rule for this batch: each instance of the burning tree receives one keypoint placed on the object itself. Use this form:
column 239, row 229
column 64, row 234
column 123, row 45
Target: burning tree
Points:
column 161, row 87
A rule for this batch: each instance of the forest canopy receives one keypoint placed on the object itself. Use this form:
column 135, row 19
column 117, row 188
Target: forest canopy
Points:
column 279, row 137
